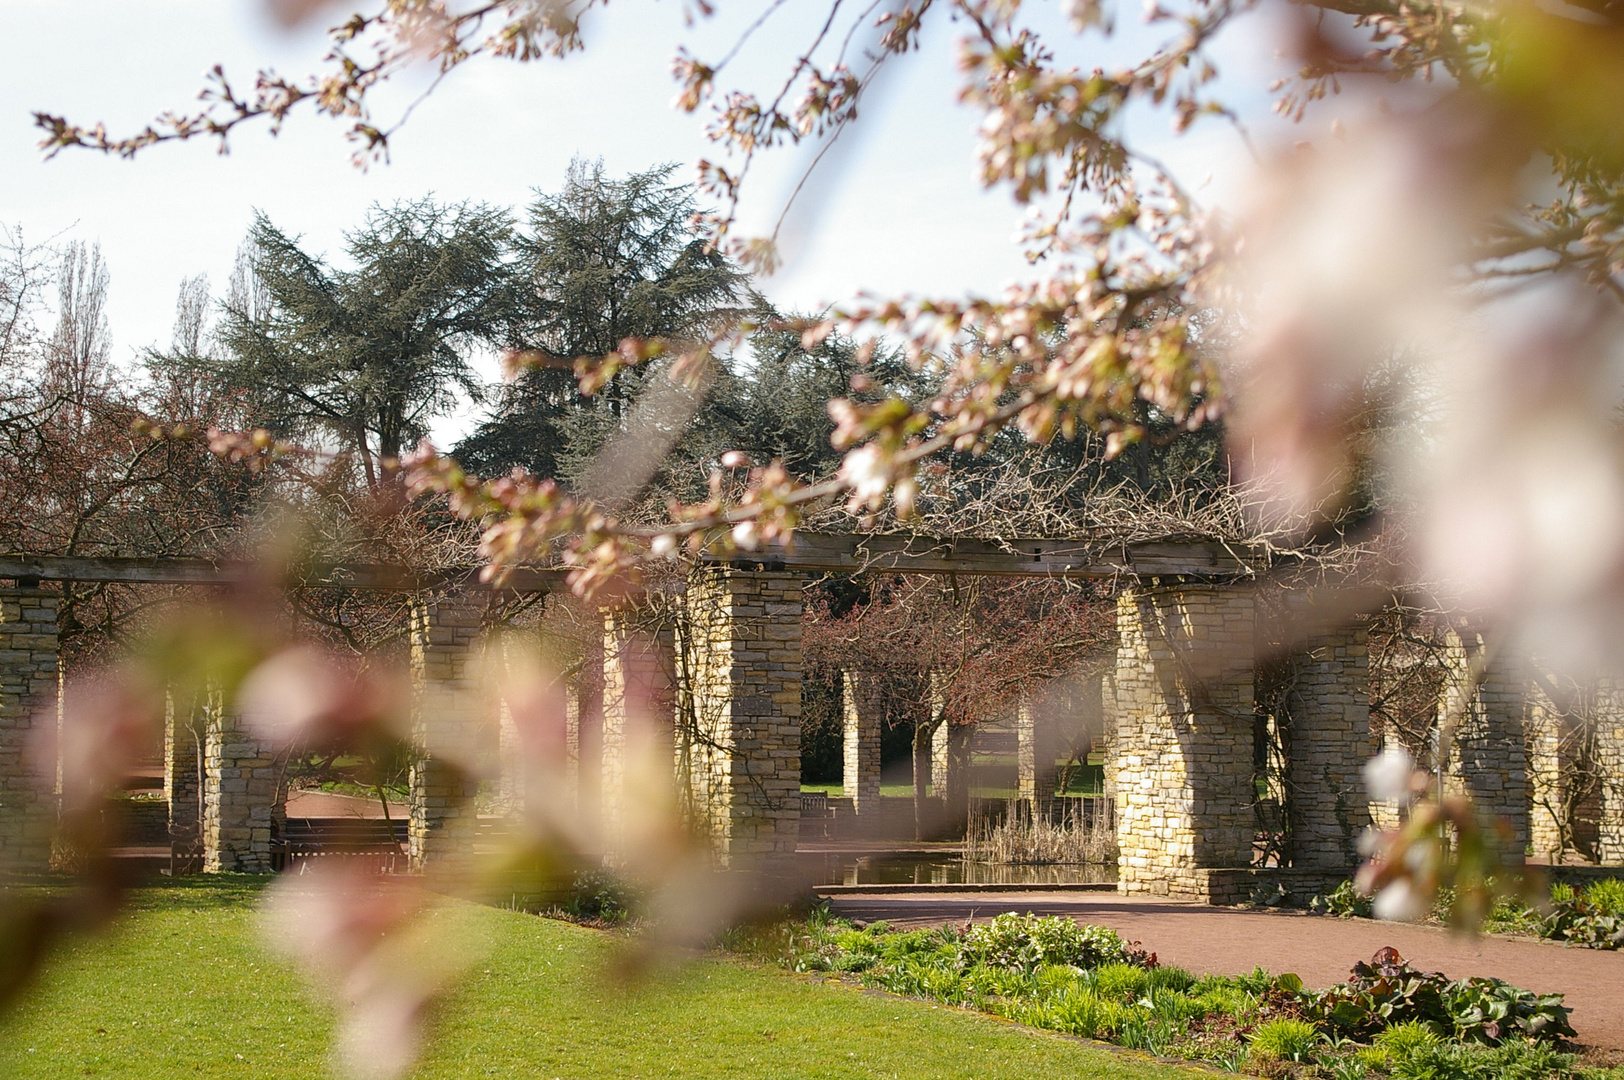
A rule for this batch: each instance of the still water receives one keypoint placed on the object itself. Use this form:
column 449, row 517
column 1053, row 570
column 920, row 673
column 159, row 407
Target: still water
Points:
column 899, row 869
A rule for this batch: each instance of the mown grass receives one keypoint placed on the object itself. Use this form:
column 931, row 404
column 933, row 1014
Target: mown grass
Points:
column 183, row 988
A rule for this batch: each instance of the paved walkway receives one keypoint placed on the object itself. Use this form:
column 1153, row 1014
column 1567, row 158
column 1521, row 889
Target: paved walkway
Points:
column 1320, row 949
column 318, row 804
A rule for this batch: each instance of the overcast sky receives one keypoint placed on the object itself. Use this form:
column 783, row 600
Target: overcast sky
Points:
column 899, row 210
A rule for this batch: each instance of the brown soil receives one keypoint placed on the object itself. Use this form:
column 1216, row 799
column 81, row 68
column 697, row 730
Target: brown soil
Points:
column 1320, row 949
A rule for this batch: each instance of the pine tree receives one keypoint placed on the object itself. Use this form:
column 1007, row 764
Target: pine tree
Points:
column 370, row 354
column 602, row 260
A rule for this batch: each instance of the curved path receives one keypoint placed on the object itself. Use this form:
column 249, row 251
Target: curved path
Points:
column 1320, row 949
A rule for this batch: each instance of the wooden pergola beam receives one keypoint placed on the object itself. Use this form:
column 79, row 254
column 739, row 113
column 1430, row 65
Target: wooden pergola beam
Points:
column 811, row 553
column 180, row 570
column 856, row 552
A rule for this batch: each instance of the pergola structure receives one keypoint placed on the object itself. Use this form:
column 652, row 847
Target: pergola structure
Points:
column 1181, row 701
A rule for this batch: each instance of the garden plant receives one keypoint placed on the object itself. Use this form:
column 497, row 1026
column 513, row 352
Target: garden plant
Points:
column 1591, row 917
column 1388, row 1020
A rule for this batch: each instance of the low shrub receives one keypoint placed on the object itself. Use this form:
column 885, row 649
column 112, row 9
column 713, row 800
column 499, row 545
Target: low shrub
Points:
column 1607, row 897
column 1286, row 1038
column 1512, row 1060
column 1119, row 981
column 1402, row 1039
column 1344, row 901
column 1384, row 992
column 599, row 895
column 1390, row 991
column 1593, row 919
column 1087, row 981
column 1489, row 1010
column 1025, row 942
column 1170, row 978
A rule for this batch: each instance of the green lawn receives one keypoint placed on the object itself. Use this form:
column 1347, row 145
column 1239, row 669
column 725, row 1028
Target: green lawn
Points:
column 1084, row 780
column 835, row 791
column 183, row 989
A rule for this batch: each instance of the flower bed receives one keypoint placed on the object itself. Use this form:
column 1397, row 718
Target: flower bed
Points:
column 1388, row 1020
column 1592, row 918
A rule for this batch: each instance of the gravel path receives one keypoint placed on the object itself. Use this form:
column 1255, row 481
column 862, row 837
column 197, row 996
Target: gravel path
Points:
column 1320, row 949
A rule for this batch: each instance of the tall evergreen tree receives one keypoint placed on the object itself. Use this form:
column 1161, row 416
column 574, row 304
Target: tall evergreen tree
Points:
column 777, row 404
column 370, row 354
column 602, row 260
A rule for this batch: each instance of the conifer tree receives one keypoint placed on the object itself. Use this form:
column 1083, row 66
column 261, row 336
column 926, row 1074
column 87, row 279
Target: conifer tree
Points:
column 368, row 355
column 602, row 260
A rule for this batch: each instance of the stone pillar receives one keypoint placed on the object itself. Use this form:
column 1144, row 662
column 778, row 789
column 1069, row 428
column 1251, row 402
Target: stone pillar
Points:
column 637, row 689
column 743, row 646
column 446, row 732
column 1107, row 743
column 1387, row 814
column 950, row 771
column 1328, row 743
column 1564, row 716
column 513, row 779
column 1608, row 747
column 860, row 730
column 1184, row 737
column 1036, row 745
column 924, row 741
column 1488, row 758
column 185, row 725
column 244, row 797
column 28, row 707
column 584, row 729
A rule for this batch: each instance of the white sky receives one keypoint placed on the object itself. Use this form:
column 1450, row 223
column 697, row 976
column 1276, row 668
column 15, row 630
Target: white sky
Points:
column 900, row 211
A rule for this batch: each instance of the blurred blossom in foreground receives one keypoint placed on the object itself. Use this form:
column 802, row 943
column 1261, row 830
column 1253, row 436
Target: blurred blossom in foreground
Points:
column 107, row 719
column 1390, row 776
column 1522, row 498
column 1346, row 257
column 386, row 946
column 1390, row 364
column 305, row 695
column 1439, row 845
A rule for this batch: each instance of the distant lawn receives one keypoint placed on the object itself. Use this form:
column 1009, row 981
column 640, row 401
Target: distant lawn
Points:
column 1080, row 785
column 183, row 989
column 835, row 791
column 992, row 777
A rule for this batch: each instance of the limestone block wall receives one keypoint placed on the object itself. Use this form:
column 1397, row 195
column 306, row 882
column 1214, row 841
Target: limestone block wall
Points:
column 28, row 701
column 1549, row 772
column 446, row 728
column 1107, row 741
column 639, row 698
column 1329, row 743
column 950, row 770
column 584, row 731
column 1036, row 746
column 861, row 717
column 1183, row 746
column 244, row 798
column 513, row 779
column 185, row 726
column 742, row 726
column 1565, row 720
column 1488, row 759
column 1386, row 814
column 1608, row 748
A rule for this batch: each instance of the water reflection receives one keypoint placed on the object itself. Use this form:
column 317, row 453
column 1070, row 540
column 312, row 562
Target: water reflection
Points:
column 906, row 869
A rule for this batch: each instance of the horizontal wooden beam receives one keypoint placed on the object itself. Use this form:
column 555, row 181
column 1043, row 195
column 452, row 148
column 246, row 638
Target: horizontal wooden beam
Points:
column 177, row 570
column 857, row 553
column 811, row 553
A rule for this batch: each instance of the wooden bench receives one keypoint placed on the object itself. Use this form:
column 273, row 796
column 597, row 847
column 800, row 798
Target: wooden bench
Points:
column 379, row 842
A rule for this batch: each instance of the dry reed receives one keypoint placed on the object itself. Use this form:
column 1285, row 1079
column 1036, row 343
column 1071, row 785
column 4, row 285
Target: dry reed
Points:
column 1022, row 840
